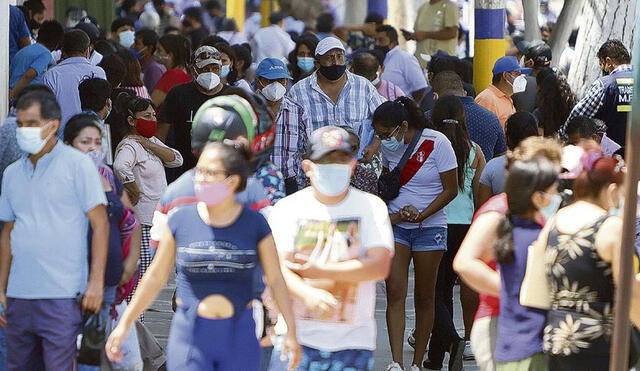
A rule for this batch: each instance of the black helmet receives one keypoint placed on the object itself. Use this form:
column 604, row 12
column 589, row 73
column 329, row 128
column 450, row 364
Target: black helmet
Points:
column 224, row 117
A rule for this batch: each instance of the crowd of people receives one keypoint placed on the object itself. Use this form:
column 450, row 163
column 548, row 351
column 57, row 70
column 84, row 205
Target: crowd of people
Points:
column 280, row 173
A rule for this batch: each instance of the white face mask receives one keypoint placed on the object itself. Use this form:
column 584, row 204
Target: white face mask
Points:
column 519, row 84
column 332, row 179
column 208, row 80
column 274, row 91
column 30, row 139
column 127, row 38
column 521, row 62
column 376, row 81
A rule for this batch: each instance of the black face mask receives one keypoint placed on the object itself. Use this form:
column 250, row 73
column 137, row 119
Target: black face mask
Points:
column 384, row 49
column 186, row 23
column 333, row 72
column 605, row 73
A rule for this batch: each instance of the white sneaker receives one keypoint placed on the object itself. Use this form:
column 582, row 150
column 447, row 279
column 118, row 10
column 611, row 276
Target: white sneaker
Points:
column 468, row 353
column 414, row 368
column 395, row 366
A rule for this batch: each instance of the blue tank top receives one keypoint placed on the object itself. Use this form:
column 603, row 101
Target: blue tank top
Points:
column 520, row 328
column 460, row 209
column 213, row 260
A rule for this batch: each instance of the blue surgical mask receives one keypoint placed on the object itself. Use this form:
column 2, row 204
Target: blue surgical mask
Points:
column 127, row 38
column 554, row 204
column 392, row 143
column 306, row 63
column 224, row 71
column 331, row 179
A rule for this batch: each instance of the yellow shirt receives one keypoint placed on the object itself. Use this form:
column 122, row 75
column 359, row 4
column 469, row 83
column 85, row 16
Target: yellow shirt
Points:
column 436, row 17
column 497, row 102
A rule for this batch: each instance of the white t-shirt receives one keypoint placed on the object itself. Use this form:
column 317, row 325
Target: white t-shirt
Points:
column 434, row 155
column 302, row 224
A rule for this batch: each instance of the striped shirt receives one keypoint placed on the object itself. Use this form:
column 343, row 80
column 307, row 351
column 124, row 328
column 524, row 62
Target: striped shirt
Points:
column 292, row 133
column 356, row 103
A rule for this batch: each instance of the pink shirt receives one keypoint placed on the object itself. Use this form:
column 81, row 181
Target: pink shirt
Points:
column 389, row 90
column 133, row 163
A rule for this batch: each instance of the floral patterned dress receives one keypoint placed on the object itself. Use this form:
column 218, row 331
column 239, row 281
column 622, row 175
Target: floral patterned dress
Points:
column 580, row 321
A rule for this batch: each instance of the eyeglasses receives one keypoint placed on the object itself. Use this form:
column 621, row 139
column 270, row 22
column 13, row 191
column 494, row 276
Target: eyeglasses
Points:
column 207, row 175
column 392, row 134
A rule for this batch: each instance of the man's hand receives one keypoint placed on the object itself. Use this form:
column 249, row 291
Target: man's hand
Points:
column 304, row 268
column 319, row 301
column 3, row 302
column 92, row 300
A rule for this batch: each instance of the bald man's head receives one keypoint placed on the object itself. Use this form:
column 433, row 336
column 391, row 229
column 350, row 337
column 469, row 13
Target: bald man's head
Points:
column 448, row 83
column 365, row 65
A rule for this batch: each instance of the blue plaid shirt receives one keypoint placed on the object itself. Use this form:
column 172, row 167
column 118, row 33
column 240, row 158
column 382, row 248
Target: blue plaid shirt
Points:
column 293, row 130
column 592, row 101
column 356, row 103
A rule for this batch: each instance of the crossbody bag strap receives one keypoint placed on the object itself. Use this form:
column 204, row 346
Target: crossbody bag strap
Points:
column 409, row 150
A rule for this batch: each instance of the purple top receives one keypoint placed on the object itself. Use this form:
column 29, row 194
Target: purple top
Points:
column 152, row 72
column 520, row 328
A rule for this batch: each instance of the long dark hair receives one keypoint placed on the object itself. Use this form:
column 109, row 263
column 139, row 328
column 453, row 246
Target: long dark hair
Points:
column 448, row 118
column 391, row 114
column 524, row 178
column 179, row 47
column 554, row 99
column 133, row 69
column 311, row 42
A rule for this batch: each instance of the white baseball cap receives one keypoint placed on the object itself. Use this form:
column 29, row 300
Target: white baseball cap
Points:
column 328, row 43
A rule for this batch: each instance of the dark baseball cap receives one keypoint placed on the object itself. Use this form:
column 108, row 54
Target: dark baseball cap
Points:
column 90, row 29
column 328, row 139
column 539, row 52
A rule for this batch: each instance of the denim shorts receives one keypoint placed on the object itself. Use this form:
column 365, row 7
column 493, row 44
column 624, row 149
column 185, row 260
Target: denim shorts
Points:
column 422, row 239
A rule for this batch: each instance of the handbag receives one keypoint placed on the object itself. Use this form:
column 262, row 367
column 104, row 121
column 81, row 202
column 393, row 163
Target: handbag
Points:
column 389, row 183
column 534, row 291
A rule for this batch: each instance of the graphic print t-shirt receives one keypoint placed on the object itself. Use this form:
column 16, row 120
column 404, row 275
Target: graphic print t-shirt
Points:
column 216, row 260
column 304, row 227
column 432, row 155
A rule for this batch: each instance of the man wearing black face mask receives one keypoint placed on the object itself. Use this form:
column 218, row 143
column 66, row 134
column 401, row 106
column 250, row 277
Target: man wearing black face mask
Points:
column 400, row 67
column 609, row 97
column 334, row 96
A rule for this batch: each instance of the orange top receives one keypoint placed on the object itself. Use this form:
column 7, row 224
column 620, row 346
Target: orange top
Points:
column 497, row 102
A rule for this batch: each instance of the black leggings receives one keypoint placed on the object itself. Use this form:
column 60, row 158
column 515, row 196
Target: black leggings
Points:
column 444, row 330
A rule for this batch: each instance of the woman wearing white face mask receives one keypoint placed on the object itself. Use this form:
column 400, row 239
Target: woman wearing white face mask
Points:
column 428, row 182
column 293, row 128
column 581, row 256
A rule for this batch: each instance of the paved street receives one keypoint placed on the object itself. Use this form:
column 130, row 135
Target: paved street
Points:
column 158, row 319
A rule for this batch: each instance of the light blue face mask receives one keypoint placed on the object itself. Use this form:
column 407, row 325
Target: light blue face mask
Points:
column 331, row 179
column 127, row 38
column 224, row 71
column 392, row 143
column 306, row 63
column 548, row 211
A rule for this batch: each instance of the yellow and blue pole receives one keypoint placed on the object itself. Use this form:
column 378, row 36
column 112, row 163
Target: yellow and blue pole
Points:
column 489, row 40
column 235, row 10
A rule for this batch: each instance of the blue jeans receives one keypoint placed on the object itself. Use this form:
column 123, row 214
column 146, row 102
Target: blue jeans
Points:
column 3, row 351
column 107, row 300
column 350, row 359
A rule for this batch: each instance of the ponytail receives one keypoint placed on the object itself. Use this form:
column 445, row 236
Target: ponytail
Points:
column 392, row 113
column 503, row 249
